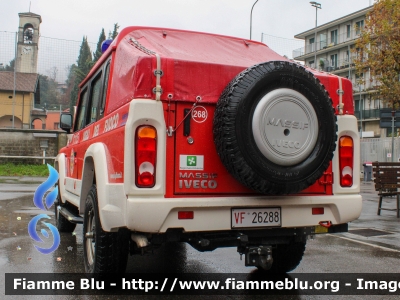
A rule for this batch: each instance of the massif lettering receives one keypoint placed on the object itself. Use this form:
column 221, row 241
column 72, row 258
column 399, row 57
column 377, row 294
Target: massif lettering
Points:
column 287, row 123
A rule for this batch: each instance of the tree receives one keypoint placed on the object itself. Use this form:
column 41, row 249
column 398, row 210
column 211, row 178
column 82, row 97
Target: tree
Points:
column 114, row 34
column 84, row 60
column 79, row 71
column 97, row 53
column 69, row 93
column 49, row 95
column 9, row 67
column 378, row 50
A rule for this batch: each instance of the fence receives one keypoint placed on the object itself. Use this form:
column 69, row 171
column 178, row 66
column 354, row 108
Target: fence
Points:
column 379, row 150
column 35, row 78
column 29, row 146
column 283, row 46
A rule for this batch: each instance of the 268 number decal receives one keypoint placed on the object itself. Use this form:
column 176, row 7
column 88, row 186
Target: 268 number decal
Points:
column 199, row 114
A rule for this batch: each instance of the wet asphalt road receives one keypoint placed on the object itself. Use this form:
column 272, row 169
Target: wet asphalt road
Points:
column 340, row 253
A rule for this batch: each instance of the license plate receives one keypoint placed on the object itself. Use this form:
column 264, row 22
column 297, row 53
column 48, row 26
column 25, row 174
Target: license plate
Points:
column 255, row 217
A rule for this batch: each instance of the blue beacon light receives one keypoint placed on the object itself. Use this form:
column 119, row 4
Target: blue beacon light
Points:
column 105, row 45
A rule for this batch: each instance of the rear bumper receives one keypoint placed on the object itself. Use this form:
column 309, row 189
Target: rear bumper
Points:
column 214, row 214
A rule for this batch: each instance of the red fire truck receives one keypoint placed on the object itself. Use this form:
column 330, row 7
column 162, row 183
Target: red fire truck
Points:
column 211, row 140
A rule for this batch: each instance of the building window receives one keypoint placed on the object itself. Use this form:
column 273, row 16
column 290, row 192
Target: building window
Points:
column 334, row 61
column 312, row 44
column 334, row 37
column 357, row 105
column 359, row 76
column 323, row 41
column 359, row 26
column 311, row 64
column 348, row 31
column 389, row 132
column 56, row 125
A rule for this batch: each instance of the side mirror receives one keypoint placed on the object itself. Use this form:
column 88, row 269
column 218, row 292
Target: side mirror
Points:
column 66, row 122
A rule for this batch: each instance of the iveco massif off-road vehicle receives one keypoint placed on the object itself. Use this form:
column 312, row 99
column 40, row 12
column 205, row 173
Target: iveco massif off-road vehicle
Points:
column 211, row 140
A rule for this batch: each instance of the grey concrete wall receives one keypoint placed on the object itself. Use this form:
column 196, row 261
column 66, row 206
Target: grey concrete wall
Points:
column 26, row 142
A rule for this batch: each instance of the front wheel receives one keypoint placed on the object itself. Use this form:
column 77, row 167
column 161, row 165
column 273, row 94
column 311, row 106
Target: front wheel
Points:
column 104, row 252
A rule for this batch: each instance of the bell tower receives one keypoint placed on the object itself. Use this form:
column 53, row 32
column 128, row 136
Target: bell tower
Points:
column 28, row 41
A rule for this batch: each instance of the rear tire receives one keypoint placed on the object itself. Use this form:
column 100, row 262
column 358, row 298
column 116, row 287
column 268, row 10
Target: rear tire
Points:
column 104, row 252
column 275, row 128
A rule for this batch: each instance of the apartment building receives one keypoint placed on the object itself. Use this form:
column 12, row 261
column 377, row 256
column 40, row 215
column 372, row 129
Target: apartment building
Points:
column 329, row 47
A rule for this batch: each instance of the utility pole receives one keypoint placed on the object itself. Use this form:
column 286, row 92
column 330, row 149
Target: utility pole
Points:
column 251, row 17
column 15, row 79
column 317, row 6
column 393, row 117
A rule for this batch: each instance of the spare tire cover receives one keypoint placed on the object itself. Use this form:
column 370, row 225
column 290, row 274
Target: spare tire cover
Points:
column 275, row 128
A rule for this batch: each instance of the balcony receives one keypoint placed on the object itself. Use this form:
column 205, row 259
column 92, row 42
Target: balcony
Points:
column 366, row 88
column 325, row 44
column 328, row 66
column 367, row 114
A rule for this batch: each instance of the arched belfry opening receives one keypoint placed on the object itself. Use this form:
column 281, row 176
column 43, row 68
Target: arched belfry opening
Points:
column 28, row 33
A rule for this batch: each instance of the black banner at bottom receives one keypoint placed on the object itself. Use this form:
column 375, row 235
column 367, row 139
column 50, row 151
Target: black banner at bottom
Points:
column 255, row 283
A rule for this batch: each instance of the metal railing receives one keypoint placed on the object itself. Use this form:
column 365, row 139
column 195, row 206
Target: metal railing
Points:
column 368, row 114
column 373, row 149
column 329, row 66
column 327, row 43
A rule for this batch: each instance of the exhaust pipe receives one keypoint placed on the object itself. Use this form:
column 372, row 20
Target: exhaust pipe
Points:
column 140, row 240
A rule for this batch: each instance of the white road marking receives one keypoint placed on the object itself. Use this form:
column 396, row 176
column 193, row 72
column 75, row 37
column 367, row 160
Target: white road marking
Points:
column 364, row 243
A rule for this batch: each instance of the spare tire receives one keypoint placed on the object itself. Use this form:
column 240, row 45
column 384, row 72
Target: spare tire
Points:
column 275, row 128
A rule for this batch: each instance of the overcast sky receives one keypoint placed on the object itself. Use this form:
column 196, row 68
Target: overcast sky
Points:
column 71, row 19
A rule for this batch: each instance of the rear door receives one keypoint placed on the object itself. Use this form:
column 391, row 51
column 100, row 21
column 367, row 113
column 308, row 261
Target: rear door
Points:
column 198, row 169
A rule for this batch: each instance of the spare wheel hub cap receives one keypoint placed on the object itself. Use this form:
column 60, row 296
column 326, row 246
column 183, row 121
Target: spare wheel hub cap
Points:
column 285, row 127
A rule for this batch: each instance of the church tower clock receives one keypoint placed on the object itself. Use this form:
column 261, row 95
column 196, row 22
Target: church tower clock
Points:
column 28, row 41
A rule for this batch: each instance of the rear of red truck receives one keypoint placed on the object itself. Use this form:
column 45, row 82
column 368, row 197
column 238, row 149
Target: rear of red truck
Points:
column 218, row 142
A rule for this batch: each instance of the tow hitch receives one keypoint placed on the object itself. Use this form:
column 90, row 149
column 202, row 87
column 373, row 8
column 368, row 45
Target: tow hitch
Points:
column 258, row 256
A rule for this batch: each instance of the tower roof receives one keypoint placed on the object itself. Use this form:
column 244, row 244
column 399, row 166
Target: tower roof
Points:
column 31, row 15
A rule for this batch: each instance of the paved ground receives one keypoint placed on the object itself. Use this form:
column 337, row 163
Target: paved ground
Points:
column 372, row 245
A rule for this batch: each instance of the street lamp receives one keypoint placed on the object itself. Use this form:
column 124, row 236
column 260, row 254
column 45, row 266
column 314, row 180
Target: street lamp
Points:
column 251, row 17
column 316, row 5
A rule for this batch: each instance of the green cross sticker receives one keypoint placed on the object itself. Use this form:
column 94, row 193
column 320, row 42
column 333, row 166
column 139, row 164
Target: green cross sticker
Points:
column 191, row 161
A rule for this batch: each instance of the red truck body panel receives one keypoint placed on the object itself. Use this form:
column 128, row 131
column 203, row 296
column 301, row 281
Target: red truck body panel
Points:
column 195, row 66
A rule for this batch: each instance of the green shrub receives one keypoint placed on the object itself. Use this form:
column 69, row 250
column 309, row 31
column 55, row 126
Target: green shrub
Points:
column 10, row 169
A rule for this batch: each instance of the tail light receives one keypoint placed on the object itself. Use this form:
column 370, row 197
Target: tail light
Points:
column 346, row 160
column 145, row 156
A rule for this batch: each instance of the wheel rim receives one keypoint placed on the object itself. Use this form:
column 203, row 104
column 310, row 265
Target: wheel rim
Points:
column 285, row 127
column 90, row 238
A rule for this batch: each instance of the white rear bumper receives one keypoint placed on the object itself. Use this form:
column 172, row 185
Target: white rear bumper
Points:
column 213, row 214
